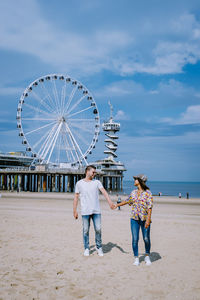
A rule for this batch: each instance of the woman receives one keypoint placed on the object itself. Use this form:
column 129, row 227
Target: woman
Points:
column 141, row 201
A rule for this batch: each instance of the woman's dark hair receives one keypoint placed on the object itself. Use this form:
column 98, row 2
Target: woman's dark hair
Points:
column 142, row 184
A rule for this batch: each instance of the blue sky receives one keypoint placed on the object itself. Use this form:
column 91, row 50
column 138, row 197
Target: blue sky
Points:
column 143, row 56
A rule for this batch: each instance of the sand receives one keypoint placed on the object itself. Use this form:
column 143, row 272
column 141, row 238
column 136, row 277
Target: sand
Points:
column 41, row 251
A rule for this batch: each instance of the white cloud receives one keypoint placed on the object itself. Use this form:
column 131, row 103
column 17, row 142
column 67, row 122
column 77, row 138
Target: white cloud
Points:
column 121, row 115
column 178, row 46
column 23, row 28
column 26, row 31
column 167, row 58
column 154, row 92
column 176, row 88
column 190, row 116
column 121, row 88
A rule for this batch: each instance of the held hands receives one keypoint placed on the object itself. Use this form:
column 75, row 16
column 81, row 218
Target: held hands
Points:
column 112, row 205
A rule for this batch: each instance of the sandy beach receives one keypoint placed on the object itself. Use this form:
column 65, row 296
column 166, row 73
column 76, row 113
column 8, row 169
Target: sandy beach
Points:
column 41, row 251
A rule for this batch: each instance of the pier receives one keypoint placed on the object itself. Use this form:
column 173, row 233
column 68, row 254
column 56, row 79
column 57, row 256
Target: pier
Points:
column 52, row 180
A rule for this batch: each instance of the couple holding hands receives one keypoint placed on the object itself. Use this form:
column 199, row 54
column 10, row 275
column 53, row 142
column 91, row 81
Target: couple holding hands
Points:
column 140, row 200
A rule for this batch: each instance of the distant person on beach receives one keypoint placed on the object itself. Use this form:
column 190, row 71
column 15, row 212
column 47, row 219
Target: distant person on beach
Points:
column 187, row 195
column 88, row 190
column 141, row 201
column 179, row 195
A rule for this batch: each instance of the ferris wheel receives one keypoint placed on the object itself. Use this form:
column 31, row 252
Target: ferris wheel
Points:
column 58, row 120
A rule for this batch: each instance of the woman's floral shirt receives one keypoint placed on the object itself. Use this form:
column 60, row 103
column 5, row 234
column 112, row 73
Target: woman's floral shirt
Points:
column 140, row 204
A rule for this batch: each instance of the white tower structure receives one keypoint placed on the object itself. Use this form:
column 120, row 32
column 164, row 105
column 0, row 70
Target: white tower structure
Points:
column 112, row 170
column 111, row 127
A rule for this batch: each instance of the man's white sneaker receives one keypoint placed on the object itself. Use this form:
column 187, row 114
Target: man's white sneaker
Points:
column 147, row 260
column 136, row 262
column 86, row 252
column 99, row 251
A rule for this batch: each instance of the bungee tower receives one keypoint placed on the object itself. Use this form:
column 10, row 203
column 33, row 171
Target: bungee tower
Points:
column 111, row 169
column 111, row 127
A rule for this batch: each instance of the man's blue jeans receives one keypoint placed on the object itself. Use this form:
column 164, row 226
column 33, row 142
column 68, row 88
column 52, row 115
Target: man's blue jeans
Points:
column 96, row 218
column 135, row 228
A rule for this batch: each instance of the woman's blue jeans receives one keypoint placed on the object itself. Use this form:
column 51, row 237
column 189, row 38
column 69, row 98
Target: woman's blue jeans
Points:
column 135, row 228
column 96, row 218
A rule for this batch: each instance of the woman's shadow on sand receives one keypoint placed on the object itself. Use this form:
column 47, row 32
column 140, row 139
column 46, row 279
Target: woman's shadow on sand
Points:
column 107, row 248
column 153, row 256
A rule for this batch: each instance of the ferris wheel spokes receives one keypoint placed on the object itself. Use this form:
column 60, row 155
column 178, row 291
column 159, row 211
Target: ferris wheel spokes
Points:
column 39, row 128
column 70, row 99
column 41, row 139
column 73, row 144
column 63, row 96
column 80, row 137
column 78, row 112
column 69, row 147
column 47, row 140
column 76, row 143
column 38, row 109
column 75, row 105
column 81, row 127
column 55, row 93
column 54, row 142
column 38, row 119
column 46, row 93
column 42, row 102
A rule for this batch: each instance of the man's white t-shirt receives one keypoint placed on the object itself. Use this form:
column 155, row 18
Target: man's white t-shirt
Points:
column 89, row 196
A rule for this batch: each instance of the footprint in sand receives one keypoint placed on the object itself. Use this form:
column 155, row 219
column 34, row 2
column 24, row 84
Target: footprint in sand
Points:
column 14, row 284
column 60, row 272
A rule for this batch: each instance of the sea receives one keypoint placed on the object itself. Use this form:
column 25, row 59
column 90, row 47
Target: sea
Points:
column 167, row 188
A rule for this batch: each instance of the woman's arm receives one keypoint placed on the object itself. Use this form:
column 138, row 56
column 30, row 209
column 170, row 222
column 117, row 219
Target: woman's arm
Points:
column 148, row 220
column 122, row 203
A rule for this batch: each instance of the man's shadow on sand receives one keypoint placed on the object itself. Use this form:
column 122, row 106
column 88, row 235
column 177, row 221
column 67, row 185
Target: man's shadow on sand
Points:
column 107, row 248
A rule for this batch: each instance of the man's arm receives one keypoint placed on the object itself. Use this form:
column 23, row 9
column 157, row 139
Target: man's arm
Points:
column 111, row 204
column 75, row 204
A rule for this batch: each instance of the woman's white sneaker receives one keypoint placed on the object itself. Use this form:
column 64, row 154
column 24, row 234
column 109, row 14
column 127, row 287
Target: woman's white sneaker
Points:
column 147, row 260
column 86, row 252
column 136, row 262
column 99, row 251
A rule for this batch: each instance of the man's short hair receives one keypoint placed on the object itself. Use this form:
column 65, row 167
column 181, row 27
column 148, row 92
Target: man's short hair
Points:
column 88, row 168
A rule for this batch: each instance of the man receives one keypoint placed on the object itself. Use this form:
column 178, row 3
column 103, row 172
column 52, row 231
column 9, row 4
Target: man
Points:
column 88, row 190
